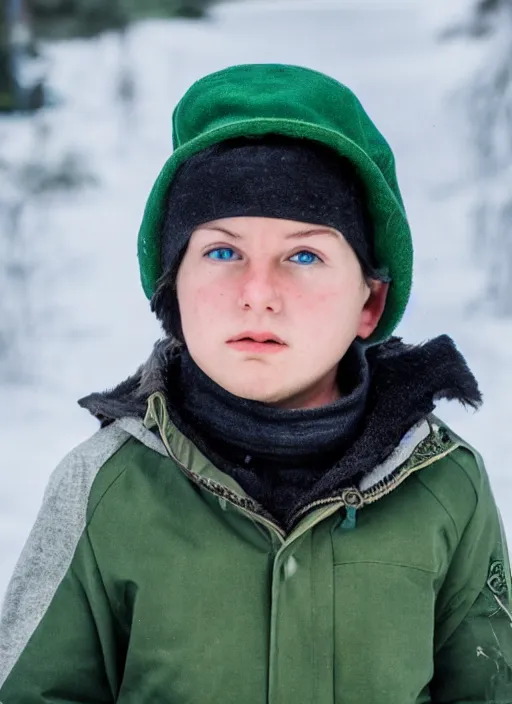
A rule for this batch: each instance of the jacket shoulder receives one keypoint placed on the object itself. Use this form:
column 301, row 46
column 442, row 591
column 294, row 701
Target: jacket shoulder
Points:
column 136, row 446
column 70, row 485
column 459, row 481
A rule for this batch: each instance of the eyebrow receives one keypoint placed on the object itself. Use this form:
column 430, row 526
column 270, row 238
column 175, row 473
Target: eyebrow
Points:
column 302, row 233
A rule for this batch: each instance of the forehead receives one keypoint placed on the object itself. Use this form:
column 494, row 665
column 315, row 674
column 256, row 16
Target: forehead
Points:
column 242, row 227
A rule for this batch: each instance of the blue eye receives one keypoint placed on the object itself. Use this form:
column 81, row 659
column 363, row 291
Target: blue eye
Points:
column 223, row 256
column 306, row 257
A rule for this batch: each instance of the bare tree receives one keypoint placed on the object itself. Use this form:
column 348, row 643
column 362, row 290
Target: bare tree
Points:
column 490, row 113
column 489, row 119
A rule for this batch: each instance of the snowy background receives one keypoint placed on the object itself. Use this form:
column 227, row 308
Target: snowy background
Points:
column 75, row 305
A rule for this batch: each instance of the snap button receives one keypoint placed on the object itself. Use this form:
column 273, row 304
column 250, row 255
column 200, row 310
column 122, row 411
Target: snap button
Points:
column 290, row 567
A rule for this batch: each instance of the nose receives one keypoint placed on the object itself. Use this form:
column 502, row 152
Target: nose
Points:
column 259, row 291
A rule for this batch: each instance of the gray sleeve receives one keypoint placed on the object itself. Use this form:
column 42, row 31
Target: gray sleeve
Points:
column 49, row 550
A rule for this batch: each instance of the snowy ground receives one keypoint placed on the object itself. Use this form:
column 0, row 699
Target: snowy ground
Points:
column 387, row 53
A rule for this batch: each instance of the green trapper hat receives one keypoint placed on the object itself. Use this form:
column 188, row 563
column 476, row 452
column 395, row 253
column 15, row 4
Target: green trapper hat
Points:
column 257, row 99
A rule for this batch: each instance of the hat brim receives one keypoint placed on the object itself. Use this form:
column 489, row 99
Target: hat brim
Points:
column 392, row 236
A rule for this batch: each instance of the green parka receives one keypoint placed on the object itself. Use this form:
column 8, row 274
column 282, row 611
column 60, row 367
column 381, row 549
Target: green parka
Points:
column 151, row 577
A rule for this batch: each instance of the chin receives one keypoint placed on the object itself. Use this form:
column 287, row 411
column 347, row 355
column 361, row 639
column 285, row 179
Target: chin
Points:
column 256, row 391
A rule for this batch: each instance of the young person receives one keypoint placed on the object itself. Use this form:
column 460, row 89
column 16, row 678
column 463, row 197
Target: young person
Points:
column 270, row 511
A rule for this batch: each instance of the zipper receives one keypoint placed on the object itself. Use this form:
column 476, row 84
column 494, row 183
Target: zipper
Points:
column 315, row 504
column 350, row 497
column 372, row 495
column 353, row 498
column 357, row 499
column 211, row 486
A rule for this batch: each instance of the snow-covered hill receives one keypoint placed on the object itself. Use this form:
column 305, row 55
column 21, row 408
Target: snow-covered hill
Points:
column 101, row 327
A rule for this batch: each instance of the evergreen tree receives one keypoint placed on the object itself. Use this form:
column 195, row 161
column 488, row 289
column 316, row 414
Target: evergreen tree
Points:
column 17, row 48
column 84, row 18
column 6, row 87
column 58, row 19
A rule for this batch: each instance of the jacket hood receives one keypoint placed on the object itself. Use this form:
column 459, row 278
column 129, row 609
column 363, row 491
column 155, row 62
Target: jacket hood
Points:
column 406, row 380
column 258, row 99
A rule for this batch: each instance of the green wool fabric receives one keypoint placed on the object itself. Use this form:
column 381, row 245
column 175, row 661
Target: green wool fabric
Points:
column 258, row 99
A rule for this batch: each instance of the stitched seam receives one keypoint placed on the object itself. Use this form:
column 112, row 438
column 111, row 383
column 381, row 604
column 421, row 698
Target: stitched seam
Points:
column 93, row 621
column 88, row 523
column 97, row 566
column 427, row 488
column 460, row 466
column 120, row 473
column 386, row 563
column 334, row 614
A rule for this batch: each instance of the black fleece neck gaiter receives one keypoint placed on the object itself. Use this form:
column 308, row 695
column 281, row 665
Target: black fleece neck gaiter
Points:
column 275, row 454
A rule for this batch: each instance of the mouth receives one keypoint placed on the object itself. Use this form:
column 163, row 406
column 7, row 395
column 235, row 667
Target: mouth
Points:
column 267, row 338
column 257, row 342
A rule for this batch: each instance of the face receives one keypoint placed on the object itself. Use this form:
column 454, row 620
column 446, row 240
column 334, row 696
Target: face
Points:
column 263, row 278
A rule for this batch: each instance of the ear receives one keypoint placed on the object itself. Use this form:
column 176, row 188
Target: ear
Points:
column 373, row 308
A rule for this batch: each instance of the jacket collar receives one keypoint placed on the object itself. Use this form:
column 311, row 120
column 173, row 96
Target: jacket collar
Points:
column 425, row 443
column 432, row 371
column 400, row 435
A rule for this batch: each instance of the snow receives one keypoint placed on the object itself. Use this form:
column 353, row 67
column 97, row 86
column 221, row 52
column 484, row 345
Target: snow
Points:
column 94, row 324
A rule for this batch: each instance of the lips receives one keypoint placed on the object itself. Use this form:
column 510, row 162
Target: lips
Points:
column 261, row 337
column 250, row 346
column 257, row 343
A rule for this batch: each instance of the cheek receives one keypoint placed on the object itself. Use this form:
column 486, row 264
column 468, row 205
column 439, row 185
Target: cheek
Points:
column 330, row 312
column 208, row 298
column 324, row 302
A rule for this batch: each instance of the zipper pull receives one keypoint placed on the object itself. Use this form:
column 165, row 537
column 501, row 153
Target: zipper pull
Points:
column 350, row 518
column 353, row 500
